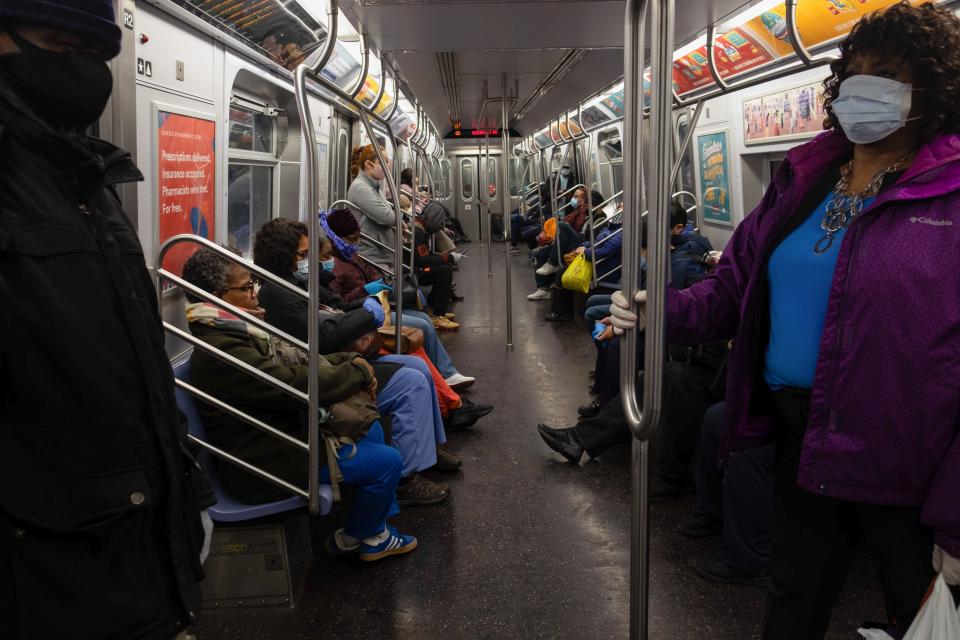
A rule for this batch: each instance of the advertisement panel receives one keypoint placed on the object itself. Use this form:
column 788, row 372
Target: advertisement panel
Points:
column 714, row 168
column 186, row 175
column 788, row 114
column 735, row 52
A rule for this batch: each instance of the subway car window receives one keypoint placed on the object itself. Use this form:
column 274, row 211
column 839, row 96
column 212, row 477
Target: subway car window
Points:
column 466, row 179
column 250, row 131
column 249, row 203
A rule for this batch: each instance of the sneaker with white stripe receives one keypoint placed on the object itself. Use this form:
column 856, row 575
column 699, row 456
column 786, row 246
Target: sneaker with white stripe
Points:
column 395, row 544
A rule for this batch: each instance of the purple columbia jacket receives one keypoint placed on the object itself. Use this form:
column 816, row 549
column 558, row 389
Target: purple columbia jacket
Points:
column 885, row 403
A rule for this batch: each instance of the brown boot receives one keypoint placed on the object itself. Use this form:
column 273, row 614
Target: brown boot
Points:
column 418, row 491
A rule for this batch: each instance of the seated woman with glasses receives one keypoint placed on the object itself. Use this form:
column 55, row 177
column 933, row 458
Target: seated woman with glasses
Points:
column 375, row 468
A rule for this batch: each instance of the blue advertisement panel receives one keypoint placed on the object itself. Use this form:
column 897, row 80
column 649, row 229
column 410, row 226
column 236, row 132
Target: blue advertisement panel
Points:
column 714, row 164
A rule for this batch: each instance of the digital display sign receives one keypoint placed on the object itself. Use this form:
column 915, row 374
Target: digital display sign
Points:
column 467, row 134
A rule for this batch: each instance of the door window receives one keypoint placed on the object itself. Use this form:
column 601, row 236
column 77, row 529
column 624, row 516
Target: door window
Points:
column 466, row 179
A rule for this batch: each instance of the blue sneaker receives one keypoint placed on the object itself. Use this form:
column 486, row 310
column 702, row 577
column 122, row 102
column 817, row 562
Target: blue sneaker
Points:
column 395, row 544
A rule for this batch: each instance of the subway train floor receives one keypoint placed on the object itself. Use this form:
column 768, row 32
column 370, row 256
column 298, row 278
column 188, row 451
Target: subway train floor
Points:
column 528, row 545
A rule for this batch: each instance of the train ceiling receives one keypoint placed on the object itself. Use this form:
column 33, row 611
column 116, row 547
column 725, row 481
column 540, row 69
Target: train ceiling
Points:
column 555, row 52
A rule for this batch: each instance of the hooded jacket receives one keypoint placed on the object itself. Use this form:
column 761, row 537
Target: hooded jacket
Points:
column 686, row 266
column 885, row 403
column 94, row 472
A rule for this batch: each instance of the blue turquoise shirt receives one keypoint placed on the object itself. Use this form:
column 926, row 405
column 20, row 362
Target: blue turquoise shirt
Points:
column 799, row 283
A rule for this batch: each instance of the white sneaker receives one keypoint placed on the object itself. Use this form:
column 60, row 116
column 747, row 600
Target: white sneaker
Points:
column 539, row 294
column 458, row 381
column 548, row 269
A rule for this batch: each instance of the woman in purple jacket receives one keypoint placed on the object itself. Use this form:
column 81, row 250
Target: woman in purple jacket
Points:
column 843, row 291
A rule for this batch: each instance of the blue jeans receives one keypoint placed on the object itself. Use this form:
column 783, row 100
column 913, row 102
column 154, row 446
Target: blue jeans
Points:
column 375, row 471
column 410, row 398
column 598, row 308
column 431, row 343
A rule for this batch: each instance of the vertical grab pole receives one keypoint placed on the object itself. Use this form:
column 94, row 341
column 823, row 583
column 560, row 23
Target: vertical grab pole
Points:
column 398, row 248
column 485, row 157
column 556, row 202
column 589, row 184
column 505, row 199
column 415, row 159
column 312, row 206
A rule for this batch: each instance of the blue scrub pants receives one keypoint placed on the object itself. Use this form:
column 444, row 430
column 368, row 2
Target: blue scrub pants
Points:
column 410, row 399
column 375, row 471
column 431, row 342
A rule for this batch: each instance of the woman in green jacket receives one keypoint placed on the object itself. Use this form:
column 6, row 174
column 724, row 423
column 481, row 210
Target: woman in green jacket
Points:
column 374, row 467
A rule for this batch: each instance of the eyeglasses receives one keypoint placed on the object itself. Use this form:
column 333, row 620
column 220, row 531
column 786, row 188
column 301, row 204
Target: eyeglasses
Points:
column 249, row 287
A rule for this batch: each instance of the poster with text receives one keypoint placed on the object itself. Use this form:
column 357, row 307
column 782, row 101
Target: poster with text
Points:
column 714, row 165
column 186, row 174
column 790, row 114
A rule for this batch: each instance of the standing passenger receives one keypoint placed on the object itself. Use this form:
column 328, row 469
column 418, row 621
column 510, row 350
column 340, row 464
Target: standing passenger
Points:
column 376, row 216
column 841, row 288
column 100, row 527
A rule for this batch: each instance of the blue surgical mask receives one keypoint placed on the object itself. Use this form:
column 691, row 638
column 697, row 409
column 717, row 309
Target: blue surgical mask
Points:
column 327, row 264
column 574, row 203
column 303, row 267
column 643, row 263
column 870, row 108
column 566, row 171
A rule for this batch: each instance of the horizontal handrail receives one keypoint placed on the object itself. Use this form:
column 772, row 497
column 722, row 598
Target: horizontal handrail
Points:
column 226, row 306
column 226, row 408
column 229, row 255
column 572, row 189
column 239, row 364
column 246, row 466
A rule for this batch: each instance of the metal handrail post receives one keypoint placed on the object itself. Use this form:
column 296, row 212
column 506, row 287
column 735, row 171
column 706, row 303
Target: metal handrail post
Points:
column 590, row 213
column 803, row 54
column 556, row 182
column 505, row 199
column 485, row 157
column 682, row 151
column 712, row 61
column 311, row 213
column 398, row 252
column 364, row 70
column 415, row 159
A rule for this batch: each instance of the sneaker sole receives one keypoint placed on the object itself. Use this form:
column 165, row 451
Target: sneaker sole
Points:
column 460, row 386
column 373, row 557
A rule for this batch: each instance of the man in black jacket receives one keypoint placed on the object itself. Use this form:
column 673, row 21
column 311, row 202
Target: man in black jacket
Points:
column 100, row 502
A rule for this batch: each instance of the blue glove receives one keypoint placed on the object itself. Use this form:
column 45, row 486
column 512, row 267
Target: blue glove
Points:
column 373, row 288
column 373, row 306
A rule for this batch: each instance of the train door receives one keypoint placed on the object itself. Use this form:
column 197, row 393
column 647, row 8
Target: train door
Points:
column 467, row 186
column 340, row 134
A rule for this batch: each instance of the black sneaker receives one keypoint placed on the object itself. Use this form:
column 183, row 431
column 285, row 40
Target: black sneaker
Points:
column 466, row 416
column 563, row 441
column 717, row 571
column 700, row 526
column 447, row 462
column 589, row 410
column 665, row 490
column 418, row 491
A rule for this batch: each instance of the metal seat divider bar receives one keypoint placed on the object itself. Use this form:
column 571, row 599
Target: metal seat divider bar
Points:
column 246, row 466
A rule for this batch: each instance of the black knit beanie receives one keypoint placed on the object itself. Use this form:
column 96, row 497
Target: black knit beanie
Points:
column 94, row 19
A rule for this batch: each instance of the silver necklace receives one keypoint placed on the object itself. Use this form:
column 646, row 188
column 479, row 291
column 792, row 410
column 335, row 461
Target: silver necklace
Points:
column 847, row 205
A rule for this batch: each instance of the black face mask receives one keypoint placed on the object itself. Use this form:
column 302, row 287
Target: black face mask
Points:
column 68, row 90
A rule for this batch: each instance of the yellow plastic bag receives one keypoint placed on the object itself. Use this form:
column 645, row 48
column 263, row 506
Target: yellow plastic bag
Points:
column 578, row 275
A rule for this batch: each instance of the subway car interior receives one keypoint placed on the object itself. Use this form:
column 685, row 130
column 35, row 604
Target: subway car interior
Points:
column 540, row 153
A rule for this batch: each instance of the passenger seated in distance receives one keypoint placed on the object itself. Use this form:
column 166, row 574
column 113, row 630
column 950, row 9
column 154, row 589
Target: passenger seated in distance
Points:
column 407, row 393
column 844, row 349
column 355, row 279
column 570, row 231
column 374, row 468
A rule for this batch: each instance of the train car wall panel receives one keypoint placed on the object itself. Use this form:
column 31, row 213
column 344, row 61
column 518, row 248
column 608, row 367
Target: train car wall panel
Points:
column 172, row 56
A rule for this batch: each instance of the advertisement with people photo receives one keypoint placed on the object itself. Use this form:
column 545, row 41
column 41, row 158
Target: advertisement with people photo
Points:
column 790, row 114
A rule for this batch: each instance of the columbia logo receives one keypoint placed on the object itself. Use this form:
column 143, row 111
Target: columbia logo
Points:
column 932, row 222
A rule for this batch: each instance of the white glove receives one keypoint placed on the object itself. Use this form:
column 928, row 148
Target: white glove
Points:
column 457, row 257
column 946, row 564
column 625, row 319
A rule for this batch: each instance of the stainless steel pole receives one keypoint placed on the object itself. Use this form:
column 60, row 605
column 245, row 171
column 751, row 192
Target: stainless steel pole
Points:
column 505, row 199
column 486, row 172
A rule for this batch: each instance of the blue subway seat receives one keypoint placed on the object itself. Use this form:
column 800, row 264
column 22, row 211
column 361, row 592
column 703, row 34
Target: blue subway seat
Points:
column 227, row 508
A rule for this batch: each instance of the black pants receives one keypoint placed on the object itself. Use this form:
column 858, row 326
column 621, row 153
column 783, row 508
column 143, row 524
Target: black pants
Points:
column 814, row 539
column 740, row 493
column 608, row 428
column 688, row 387
column 440, row 279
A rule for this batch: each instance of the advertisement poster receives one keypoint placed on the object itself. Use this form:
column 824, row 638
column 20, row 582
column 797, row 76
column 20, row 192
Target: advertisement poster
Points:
column 714, row 166
column 735, row 52
column 186, row 174
column 790, row 114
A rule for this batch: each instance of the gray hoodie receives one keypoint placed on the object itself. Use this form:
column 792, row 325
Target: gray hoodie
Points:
column 377, row 218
